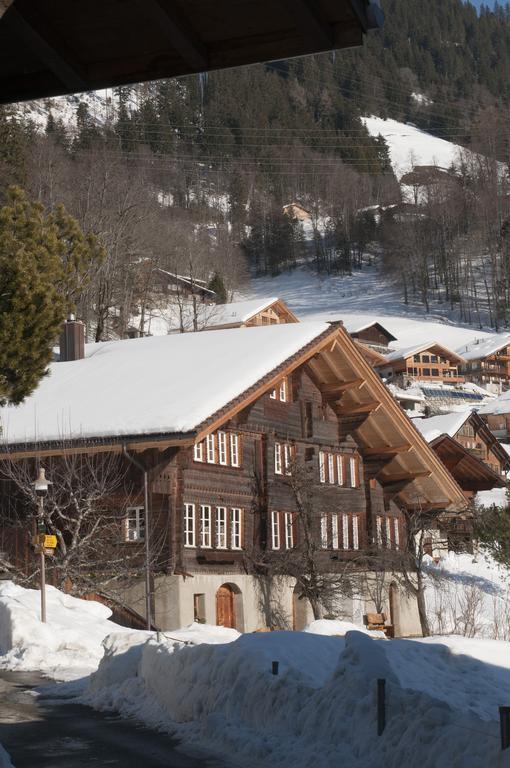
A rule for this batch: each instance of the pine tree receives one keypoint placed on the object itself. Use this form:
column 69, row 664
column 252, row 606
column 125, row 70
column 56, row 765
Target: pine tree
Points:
column 217, row 285
column 45, row 260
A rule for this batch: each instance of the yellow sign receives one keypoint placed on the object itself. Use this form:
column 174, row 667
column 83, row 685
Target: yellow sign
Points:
column 50, row 542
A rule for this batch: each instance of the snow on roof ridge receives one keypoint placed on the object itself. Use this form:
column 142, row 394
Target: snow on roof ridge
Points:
column 481, row 347
column 413, row 350
column 444, row 424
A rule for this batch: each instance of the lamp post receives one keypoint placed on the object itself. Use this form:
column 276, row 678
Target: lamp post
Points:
column 41, row 489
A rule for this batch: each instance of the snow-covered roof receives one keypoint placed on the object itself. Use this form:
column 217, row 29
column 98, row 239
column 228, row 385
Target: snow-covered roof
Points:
column 412, row 394
column 500, row 405
column 154, row 385
column 400, row 354
column 445, row 424
column 238, row 311
column 479, row 348
column 353, row 328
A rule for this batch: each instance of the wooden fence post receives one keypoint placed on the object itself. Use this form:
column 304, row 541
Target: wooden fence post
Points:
column 504, row 724
column 381, row 706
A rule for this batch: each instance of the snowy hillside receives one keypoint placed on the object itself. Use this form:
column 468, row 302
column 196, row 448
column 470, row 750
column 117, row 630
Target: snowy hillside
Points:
column 409, row 146
column 101, row 106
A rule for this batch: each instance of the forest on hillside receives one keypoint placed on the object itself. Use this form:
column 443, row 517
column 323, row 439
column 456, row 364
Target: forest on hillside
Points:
column 193, row 174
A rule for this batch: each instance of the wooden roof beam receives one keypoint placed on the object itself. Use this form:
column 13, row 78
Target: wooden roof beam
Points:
column 178, row 32
column 307, row 20
column 404, row 477
column 48, row 55
column 386, row 450
column 370, row 407
column 341, row 387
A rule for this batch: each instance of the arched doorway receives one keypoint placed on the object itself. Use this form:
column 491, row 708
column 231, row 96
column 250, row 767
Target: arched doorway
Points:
column 228, row 607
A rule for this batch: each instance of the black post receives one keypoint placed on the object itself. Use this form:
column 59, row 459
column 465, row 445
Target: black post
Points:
column 504, row 723
column 381, row 706
column 275, row 667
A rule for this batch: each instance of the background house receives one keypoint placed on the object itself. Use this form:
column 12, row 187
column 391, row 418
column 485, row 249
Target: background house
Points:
column 425, row 362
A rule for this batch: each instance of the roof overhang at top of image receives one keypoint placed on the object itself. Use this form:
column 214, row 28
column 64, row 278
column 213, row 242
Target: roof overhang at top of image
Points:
column 54, row 47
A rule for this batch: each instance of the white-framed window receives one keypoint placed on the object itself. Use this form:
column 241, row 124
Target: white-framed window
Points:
column 236, row 528
column 287, row 458
column 322, row 466
column 275, row 530
column 283, row 391
column 289, row 531
column 334, row 531
column 272, row 394
column 234, row 449
column 345, row 531
column 211, row 449
column 340, row 469
column 205, row 526
column 331, row 468
column 355, row 532
column 388, row 532
column 134, row 524
column 396, row 531
column 189, row 525
column 278, row 459
column 221, row 527
column 198, row 452
column 222, row 448
column 353, row 466
column 378, row 530
column 324, row 531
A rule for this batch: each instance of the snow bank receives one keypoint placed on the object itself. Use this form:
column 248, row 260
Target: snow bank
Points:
column 5, row 760
column 335, row 628
column 321, row 707
column 68, row 646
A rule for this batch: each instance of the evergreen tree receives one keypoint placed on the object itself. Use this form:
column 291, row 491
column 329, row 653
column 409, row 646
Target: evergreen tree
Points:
column 45, row 260
column 217, row 285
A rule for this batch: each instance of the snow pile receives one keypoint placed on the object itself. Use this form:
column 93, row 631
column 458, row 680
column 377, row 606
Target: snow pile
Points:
column 5, row 760
column 468, row 595
column 321, row 707
column 337, row 628
column 68, row 646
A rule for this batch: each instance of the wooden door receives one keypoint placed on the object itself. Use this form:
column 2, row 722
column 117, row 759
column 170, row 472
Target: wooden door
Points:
column 225, row 616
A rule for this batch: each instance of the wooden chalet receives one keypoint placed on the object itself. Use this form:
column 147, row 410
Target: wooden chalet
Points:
column 425, row 362
column 185, row 286
column 246, row 314
column 469, row 430
column 470, row 472
column 219, row 441
column 496, row 415
column 52, row 48
column 374, row 335
column 487, row 361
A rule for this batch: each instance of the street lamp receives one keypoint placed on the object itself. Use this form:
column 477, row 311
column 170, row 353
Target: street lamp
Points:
column 41, row 488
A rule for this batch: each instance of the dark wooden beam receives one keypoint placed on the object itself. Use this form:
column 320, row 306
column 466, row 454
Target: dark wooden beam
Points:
column 386, row 450
column 178, row 31
column 304, row 15
column 338, row 388
column 65, row 72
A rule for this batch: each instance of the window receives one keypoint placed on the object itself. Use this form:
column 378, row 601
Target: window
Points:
column 416, row 358
column 340, row 469
column 272, row 394
column 324, row 531
column 221, row 527
column 435, row 371
column 287, row 456
column 378, row 529
column 396, row 532
column 353, row 468
column 205, row 526
column 388, row 532
column 289, row 531
column 322, row 466
column 234, row 449
column 426, row 371
column 355, row 532
column 134, row 524
column 345, row 531
column 275, row 530
column 278, row 459
column 198, row 452
column 331, row 468
column 236, row 541
column 222, row 448
column 334, row 531
column 211, row 452
column 283, row 391
column 425, row 358
column 433, row 358
column 189, row 525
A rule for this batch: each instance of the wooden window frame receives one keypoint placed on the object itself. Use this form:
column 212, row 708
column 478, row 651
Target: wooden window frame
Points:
column 138, row 514
column 355, row 532
column 218, row 532
column 288, row 528
column 345, row 531
column 324, row 531
column 198, row 452
column 378, row 531
column 335, row 540
column 235, row 449
column 275, row 530
column 331, row 468
column 223, row 457
column 203, row 532
column 388, row 532
column 288, row 455
column 322, row 466
column 340, row 470
column 278, row 464
column 189, row 533
column 396, row 532
column 353, row 471
column 210, row 442
column 236, row 528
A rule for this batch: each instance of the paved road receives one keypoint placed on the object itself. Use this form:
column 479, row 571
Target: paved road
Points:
column 41, row 732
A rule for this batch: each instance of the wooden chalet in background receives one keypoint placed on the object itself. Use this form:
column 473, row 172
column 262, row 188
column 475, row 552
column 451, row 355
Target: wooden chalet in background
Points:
column 218, row 441
column 373, row 335
column 246, row 314
column 487, row 361
column 496, row 415
column 169, row 284
column 425, row 362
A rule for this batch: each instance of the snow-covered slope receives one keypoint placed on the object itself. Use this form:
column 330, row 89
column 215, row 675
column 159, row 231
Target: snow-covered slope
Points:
column 410, row 146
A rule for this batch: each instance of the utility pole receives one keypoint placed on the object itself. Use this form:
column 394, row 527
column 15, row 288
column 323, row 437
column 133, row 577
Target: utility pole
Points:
column 41, row 489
